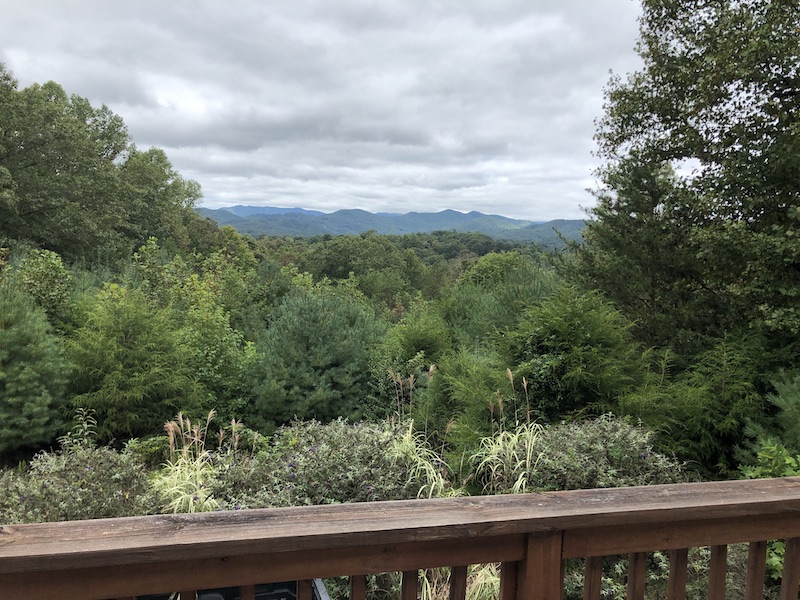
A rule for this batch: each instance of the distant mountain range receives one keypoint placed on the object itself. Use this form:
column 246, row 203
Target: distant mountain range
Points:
column 274, row 221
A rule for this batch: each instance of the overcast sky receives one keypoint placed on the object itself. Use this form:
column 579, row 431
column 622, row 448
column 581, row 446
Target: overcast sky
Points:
column 384, row 105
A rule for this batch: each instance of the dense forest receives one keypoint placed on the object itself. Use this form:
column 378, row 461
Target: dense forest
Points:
column 664, row 347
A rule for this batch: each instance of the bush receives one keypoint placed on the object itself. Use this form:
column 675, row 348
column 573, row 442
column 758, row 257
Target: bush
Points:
column 576, row 352
column 314, row 463
column 461, row 404
column 77, row 482
column 132, row 367
column 605, row 452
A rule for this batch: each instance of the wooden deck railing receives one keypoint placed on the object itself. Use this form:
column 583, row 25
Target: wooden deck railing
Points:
column 531, row 535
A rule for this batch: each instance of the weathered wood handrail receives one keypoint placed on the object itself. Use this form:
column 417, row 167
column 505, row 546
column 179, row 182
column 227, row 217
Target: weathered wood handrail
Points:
column 530, row 534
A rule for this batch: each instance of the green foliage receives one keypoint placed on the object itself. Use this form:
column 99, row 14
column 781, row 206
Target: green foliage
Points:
column 33, row 374
column 636, row 250
column 314, row 359
column 72, row 182
column 314, row 463
column 77, row 482
column 157, row 199
column 576, row 353
column 463, row 403
column 490, row 297
column 508, row 457
column 781, row 419
column 42, row 275
column 703, row 414
column 773, row 459
column 605, row 452
column 131, row 366
column 403, row 364
column 219, row 358
column 495, row 268
column 182, row 483
column 704, row 100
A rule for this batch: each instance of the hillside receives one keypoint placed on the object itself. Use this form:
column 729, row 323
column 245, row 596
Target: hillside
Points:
column 273, row 221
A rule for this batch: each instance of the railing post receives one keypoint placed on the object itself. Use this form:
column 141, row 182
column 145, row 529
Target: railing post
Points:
column 637, row 572
column 358, row 587
column 756, row 568
column 718, row 571
column 305, row 590
column 791, row 570
column 678, row 563
column 458, row 583
column 541, row 574
column 593, row 578
column 410, row 586
column 508, row 580
column 247, row 592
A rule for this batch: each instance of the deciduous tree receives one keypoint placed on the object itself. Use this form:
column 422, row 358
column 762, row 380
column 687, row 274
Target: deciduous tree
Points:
column 717, row 100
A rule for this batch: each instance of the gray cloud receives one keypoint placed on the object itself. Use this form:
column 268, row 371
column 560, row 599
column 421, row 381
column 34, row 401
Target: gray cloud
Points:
column 388, row 106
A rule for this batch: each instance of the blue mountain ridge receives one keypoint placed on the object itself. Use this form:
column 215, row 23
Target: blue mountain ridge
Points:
column 299, row 222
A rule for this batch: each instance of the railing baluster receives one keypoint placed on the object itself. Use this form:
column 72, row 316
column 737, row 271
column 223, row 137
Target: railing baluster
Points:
column 358, row 587
column 593, row 578
column 458, row 583
column 410, row 587
column 542, row 574
column 247, row 592
column 718, row 569
column 756, row 568
column 678, row 562
column 636, row 575
column 791, row 570
column 508, row 580
column 305, row 590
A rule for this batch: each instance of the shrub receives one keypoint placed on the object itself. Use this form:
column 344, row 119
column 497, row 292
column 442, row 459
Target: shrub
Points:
column 132, row 368
column 576, row 352
column 314, row 463
column 43, row 276
column 76, row 482
column 605, row 452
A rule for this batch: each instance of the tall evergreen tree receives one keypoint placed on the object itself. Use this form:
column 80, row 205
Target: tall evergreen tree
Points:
column 33, row 374
column 315, row 358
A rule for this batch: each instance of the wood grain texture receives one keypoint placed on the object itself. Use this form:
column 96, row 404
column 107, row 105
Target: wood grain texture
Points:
column 305, row 590
column 637, row 573
column 593, row 578
column 226, row 571
column 541, row 575
column 458, row 583
column 138, row 540
column 247, row 592
column 509, row 572
column 678, row 566
column 718, row 569
column 358, row 587
column 756, row 569
column 673, row 535
column 791, row 570
column 409, row 589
